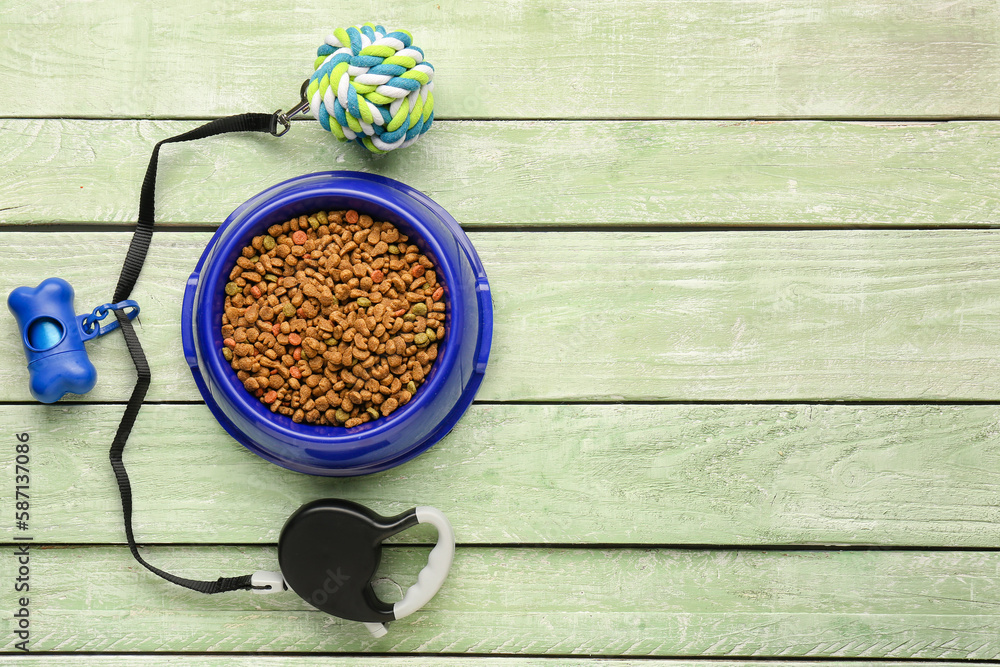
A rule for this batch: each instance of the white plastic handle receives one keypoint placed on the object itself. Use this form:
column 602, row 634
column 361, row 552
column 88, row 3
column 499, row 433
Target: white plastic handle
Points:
column 432, row 576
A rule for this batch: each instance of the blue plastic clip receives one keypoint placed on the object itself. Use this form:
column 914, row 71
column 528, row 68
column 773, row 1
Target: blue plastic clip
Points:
column 89, row 322
column 53, row 337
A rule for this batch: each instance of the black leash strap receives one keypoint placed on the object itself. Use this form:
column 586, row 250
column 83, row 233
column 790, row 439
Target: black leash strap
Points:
column 249, row 122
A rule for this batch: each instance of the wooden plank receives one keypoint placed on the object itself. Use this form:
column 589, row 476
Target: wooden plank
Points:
column 794, row 316
column 603, row 174
column 563, row 602
column 670, row 474
column 195, row 660
column 538, row 58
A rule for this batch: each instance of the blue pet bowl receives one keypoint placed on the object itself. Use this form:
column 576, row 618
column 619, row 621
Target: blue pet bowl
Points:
column 448, row 389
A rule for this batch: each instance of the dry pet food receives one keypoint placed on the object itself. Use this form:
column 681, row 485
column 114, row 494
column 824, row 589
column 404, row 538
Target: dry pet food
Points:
column 333, row 318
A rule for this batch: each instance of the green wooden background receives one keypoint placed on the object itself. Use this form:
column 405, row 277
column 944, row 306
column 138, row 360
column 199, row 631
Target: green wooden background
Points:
column 742, row 406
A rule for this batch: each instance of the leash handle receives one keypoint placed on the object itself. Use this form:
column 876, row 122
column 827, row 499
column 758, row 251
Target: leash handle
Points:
column 432, row 576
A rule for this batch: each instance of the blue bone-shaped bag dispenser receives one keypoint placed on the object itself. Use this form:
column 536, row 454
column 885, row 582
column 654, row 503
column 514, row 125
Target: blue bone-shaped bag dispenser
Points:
column 53, row 338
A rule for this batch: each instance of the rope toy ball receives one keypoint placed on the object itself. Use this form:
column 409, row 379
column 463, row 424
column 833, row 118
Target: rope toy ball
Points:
column 372, row 86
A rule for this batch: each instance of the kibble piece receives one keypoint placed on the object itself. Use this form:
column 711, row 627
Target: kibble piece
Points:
column 389, row 407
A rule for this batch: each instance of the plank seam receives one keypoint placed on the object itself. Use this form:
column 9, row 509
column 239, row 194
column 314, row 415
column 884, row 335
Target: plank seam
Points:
column 534, row 656
column 554, row 546
column 569, row 119
column 650, row 403
column 687, row 228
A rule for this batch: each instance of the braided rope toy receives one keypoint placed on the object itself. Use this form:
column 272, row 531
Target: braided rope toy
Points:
column 372, row 86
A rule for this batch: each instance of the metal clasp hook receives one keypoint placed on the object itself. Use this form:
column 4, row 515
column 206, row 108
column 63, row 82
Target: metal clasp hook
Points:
column 285, row 117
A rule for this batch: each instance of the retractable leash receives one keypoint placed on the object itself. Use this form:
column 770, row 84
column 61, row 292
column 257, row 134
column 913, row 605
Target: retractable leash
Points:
column 370, row 86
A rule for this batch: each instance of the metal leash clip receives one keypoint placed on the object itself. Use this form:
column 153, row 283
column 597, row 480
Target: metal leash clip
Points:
column 285, row 117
